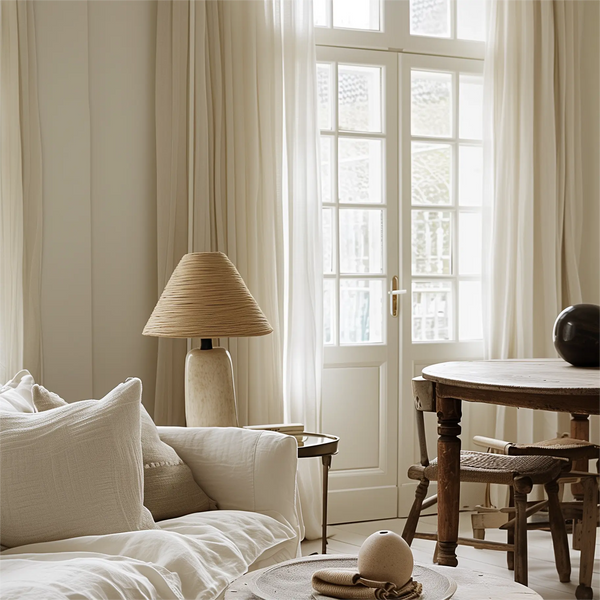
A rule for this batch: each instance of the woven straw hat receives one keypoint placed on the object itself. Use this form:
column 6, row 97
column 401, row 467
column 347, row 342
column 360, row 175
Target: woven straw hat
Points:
column 206, row 298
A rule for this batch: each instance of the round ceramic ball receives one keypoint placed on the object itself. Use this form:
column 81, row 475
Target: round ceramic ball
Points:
column 577, row 335
column 385, row 556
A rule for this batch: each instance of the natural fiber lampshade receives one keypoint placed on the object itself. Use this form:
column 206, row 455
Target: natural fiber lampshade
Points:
column 206, row 298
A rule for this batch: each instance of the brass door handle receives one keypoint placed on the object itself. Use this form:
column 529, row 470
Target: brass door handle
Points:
column 394, row 293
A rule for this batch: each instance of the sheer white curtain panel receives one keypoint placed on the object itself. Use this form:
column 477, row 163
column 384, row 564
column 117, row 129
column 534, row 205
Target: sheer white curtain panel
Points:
column 20, row 194
column 533, row 199
column 251, row 185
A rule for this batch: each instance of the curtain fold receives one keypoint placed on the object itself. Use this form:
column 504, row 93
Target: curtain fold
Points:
column 249, row 168
column 20, row 194
column 172, row 43
column 533, row 199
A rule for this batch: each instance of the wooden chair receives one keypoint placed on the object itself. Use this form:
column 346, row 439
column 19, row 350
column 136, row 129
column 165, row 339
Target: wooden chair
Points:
column 519, row 472
column 583, row 513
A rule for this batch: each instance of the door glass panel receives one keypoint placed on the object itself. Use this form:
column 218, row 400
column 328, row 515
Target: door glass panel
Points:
column 361, row 311
column 430, row 17
column 326, row 162
column 431, row 311
column 469, row 243
column 469, row 310
column 320, row 13
column 356, row 14
column 328, row 266
column 361, row 241
column 470, row 104
column 359, row 170
column 329, row 311
column 431, row 103
column 324, row 92
column 431, row 253
column 430, row 173
column 470, row 175
column 470, row 19
column 359, row 98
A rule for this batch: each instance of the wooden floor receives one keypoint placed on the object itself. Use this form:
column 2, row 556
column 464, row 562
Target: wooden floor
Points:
column 346, row 539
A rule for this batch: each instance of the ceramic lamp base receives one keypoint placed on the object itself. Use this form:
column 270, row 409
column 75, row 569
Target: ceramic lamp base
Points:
column 209, row 390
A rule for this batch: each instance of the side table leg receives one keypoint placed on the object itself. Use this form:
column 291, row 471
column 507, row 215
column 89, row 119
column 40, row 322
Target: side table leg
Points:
column 449, row 414
column 326, row 465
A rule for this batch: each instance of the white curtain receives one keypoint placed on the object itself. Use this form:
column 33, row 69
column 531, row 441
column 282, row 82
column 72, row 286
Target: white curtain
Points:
column 533, row 188
column 20, row 194
column 247, row 171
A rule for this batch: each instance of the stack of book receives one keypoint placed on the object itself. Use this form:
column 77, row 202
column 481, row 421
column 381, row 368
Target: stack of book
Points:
column 294, row 429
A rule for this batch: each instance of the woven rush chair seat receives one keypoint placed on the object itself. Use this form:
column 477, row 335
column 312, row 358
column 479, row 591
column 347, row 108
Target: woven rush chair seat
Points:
column 482, row 467
column 566, row 447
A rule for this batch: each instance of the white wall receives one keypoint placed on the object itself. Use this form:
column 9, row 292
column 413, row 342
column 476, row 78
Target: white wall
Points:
column 96, row 90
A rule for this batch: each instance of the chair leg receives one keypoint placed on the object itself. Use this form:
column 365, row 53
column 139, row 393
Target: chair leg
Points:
column 510, row 534
column 588, row 537
column 415, row 512
column 522, row 486
column 558, row 530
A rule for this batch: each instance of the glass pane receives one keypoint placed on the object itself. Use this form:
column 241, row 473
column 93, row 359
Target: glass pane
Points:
column 469, row 310
column 320, row 13
column 431, row 166
column 470, row 105
column 324, row 91
column 431, row 242
column 361, row 311
column 359, row 170
column 328, row 266
column 359, row 98
column 470, row 175
column 361, row 241
column 356, row 14
column 329, row 311
column 431, row 103
column 430, row 17
column 431, row 311
column 470, row 19
column 469, row 243
column 326, row 162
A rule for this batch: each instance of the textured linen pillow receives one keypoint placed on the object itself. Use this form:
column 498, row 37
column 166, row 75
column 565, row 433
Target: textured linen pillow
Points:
column 72, row 471
column 16, row 395
column 169, row 487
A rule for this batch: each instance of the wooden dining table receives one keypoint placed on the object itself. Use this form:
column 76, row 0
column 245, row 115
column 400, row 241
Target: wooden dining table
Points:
column 541, row 384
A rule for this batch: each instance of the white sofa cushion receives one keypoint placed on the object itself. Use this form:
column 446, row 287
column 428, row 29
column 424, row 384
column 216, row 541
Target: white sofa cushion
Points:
column 72, row 471
column 16, row 396
column 169, row 488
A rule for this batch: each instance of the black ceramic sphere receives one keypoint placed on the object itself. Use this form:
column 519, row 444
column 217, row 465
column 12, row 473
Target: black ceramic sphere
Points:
column 577, row 335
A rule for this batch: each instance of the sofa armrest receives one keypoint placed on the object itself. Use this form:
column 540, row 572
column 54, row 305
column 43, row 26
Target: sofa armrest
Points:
column 240, row 468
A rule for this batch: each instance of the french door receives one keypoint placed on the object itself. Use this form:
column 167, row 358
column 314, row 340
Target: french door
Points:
column 358, row 100
column 401, row 187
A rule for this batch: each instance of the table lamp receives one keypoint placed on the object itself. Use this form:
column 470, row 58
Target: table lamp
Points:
column 207, row 298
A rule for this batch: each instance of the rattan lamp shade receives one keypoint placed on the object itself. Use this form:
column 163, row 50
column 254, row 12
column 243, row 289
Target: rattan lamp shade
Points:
column 206, row 298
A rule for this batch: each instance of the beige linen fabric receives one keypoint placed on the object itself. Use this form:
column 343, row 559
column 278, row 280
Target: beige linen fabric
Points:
column 347, row 583
column 73, row 471
column 169, row 487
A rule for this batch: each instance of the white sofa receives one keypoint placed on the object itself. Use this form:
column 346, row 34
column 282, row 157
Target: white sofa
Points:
column 251, row 475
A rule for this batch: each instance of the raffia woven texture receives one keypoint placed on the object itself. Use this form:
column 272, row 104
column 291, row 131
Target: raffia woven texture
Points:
column 207, row 298
column 496, row 468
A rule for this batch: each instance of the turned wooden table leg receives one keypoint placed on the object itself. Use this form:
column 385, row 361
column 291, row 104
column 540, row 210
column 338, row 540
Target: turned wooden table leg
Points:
column 448, row 413
column 580, row 430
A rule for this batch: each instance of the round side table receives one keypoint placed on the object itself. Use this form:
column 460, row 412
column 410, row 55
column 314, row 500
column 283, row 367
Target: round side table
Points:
column 325, row 446
column 472, row 585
